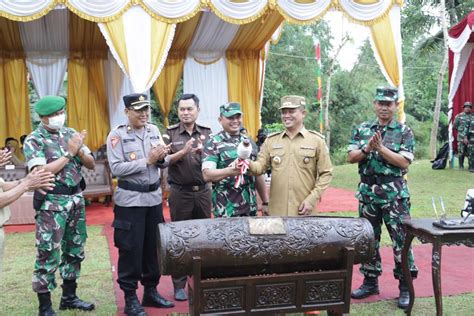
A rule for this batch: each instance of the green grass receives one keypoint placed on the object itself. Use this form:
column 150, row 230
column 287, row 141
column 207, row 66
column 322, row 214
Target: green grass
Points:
column 95, row 283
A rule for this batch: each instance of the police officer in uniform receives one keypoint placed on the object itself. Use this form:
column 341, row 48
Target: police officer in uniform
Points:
column 190, row 195
column 299, row 161
column 384, row 149
column 60, row 214
column 136, row 153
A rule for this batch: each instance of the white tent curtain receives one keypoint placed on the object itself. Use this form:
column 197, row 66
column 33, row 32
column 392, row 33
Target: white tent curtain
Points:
column 46, row 44
column 137, row 26
column 25, row 7
column 118, row 85
column 205, row 71
column 365, row 11
column 173, row 9
column 98, row 8
column 239, row 10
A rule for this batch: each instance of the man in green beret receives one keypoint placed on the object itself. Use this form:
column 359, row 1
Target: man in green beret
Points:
column 60, row 214
column 218, row 167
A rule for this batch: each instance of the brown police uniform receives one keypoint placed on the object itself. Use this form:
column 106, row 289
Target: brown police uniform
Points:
column 190, row 195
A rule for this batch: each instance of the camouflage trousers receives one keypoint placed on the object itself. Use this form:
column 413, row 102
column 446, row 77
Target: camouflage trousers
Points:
column 462, row 149
column 392, row 214
column 470, row 152
column 58, row 232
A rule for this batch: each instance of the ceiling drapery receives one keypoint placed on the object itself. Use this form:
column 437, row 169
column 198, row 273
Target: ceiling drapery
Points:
column 197, row 58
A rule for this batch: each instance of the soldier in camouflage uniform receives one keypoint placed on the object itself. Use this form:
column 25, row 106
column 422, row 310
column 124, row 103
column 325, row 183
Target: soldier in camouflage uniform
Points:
column 220, row 153
column 60, row 214
column 383, row 148
column 461, row 123
column 469, row 138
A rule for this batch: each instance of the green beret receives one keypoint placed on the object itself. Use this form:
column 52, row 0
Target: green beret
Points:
column 49, row 104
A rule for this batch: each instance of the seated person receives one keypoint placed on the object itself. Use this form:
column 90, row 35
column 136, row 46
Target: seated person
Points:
column 13, row 146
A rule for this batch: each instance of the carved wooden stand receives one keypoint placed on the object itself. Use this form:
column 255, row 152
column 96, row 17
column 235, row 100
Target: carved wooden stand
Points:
column 273, row 293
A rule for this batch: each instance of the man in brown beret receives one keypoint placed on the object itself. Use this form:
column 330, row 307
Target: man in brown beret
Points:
column 299, row 161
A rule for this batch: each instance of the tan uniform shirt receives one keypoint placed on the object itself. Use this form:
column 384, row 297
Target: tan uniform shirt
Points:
column 301, row 170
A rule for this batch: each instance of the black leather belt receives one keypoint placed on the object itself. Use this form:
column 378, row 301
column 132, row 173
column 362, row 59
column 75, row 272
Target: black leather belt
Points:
column 379, row 179
column 189, row 188
column 138, row 187
column 64, row 190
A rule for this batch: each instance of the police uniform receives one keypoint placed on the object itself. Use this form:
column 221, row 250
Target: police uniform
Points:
column 219, row 152
column 383, row 193
column 301, row 166
column 60, row 214
column 461, row 123
column 138, row 204
column 190, row 195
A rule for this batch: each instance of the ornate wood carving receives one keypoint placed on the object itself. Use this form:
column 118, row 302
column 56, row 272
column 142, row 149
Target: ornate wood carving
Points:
column 223, row 299
column 324, row 291
column 275, row 295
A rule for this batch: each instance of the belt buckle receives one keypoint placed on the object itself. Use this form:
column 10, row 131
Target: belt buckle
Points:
column 195, row 188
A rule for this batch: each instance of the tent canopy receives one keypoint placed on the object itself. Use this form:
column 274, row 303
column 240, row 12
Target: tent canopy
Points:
column 217, row 46
column 461, row 69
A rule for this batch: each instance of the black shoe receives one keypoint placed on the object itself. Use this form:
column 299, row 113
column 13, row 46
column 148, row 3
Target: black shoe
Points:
column 369, row 287
column 404, row 297
column 180, row 295
column 152, row 298
column 45, row 306
column 133, row 307
column 69, row 299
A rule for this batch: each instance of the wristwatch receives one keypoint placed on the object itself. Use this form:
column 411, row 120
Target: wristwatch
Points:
column 69, row 156
column 265, row 203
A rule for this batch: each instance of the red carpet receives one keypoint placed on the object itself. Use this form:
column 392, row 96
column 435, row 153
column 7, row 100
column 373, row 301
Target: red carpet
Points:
column 456, row 266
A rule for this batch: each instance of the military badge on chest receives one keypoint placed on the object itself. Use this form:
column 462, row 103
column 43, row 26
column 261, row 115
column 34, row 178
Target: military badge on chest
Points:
column 132, row 156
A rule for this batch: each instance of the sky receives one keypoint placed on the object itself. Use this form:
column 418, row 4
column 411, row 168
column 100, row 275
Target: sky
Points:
column 341, row 26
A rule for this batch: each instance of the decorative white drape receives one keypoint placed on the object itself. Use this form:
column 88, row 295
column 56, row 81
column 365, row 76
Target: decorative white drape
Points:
column 205, row 71
column 99, row 8
column 244, row 10
column 46, row 44
column 303, row 11
column 138, row 37
column 118, row 85
column 365, row 12
column 173, row 9
column 24, row 8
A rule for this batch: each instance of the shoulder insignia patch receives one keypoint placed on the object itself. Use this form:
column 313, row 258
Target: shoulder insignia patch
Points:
column 203, row 126
column 274, row 134
column 173, row 126
column 317, row 133
column 114, row 141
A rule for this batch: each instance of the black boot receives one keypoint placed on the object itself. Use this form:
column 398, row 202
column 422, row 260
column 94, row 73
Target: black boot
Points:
column 404, row 297
column 45, row 306
column 69, row 300
column 370, row 286
column 152, row 298
column 461, row 162
column 132, row 305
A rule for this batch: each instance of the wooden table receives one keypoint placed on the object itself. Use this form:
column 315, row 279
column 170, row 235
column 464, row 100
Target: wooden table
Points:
column 424, row 230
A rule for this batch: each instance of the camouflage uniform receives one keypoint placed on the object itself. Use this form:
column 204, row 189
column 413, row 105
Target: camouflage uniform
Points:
column 228, row 201
column 383, row 193
column 461, row 123
column 60, row 221
column 469, row 130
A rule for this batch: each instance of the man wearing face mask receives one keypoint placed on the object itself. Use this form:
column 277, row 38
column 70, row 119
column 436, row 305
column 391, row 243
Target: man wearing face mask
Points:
column 136, row 152
column 60, row 214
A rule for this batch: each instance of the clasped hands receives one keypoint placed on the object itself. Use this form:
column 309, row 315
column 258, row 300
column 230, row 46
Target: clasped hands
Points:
column 158, row 153
column 76, row 142
column 375, row 142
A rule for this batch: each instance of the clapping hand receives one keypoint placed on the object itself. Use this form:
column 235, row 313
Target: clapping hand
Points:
column 5, row 156
column 39, row 179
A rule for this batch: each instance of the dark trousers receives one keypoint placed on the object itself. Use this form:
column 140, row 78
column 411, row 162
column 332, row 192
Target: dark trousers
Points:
column 135, row 233
column 185, row 206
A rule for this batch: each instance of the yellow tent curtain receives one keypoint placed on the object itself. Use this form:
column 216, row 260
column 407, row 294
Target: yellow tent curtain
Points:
column 384, row 43
column 244, row 66
column 168, row 80
column 14, row 103
column 87, row 98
